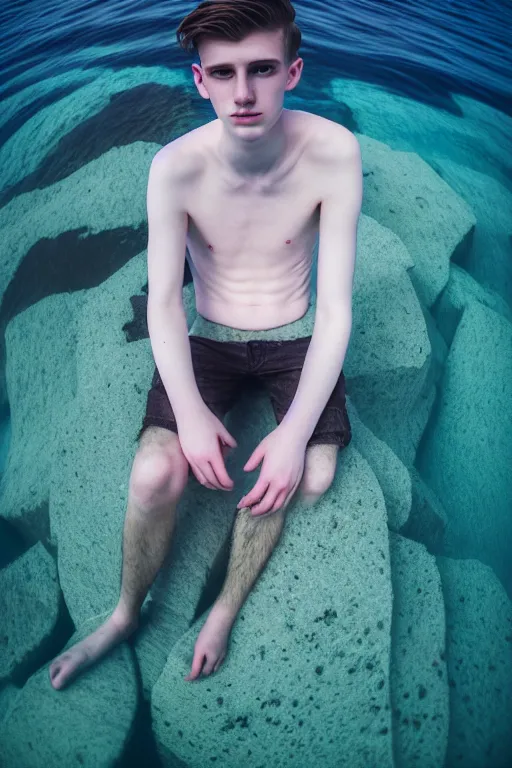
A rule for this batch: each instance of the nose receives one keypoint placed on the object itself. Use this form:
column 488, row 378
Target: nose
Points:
column 244, row 94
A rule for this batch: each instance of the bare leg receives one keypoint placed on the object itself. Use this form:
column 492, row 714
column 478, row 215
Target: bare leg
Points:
column 157, row 482
column 253, row 541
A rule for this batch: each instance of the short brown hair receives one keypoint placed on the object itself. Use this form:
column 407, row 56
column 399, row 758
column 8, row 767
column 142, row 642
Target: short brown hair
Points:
column 235, row 19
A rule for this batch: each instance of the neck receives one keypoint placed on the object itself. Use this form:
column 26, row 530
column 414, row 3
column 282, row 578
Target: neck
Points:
column 258, row 157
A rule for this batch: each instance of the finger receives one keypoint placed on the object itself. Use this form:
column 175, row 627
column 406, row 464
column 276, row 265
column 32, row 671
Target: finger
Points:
column 229, row 439
column 266, row 504
column 201, row 478
column 225, row 449
column 208, row 667
column 257, row 493
column 218, row 663
column 281, row 501
column 221, row 475
column 207, row 470
column 196, row 667
column 290, row 496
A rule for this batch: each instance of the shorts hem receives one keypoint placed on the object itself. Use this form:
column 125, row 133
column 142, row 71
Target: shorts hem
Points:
column 329, row 438
column 155, row 421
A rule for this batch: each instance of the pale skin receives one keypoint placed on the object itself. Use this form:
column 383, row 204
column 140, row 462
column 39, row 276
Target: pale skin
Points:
column 256, row 197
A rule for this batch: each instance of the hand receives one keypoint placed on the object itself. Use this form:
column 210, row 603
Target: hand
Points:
column 283, row 457
column 205, row 442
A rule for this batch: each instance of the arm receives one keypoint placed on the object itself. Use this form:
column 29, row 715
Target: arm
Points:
column 167, row 322
column 339, row 216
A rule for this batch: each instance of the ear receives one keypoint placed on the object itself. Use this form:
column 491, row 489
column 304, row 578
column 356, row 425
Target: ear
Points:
column 294, row 74
column 198, row 80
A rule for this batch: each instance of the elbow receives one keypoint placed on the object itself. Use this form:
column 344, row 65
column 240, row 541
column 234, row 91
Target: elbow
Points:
column 340, row 314
column 164, row 304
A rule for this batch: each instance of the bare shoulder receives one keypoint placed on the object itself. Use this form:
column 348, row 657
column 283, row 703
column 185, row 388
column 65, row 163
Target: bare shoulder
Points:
column 185, row 157
column 330, row 141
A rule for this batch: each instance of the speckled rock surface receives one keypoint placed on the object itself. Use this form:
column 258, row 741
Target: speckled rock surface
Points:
column 87, row 436
column 428, row 519
column 453, row 134
column 41, row 380
column 63, row 206
column 302, row 327
column 479, row 645
column 29, row 608
column 459, row 292
column 391, row 474
column 306, row 675
column 467, row 450
column 388, row 358
column 489, row 260
column 402, row 192
column 8, row 693
column 86, row 724
column 419, row 683
column 89, row 482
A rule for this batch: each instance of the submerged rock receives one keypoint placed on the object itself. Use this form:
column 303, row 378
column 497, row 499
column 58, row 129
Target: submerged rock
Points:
column 479, row 642
column 419, row 683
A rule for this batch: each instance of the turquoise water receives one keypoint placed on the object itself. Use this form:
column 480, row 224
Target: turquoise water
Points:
column 380, row 631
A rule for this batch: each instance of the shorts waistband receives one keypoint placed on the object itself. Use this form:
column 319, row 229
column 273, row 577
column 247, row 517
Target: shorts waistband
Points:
column 297, row 329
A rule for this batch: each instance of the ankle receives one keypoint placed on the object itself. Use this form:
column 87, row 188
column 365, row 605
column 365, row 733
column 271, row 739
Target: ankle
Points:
column 226, row 607
column 124, row 618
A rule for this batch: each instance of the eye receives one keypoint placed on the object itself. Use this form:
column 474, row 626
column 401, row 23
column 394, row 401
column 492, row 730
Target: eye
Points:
column 265, row 66
column 221, row 72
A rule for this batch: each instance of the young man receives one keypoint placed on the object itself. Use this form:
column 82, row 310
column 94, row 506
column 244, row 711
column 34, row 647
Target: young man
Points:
column 248, row 197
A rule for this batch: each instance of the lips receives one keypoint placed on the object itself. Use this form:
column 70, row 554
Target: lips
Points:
column 245, row 114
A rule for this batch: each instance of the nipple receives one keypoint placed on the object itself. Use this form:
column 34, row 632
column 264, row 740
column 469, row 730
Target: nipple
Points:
column 288, row 242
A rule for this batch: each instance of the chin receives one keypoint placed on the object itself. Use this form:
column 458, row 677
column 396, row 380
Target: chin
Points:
column 249, row 131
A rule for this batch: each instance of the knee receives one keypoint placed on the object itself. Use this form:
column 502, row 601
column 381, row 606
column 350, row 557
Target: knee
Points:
column 314, row 486
column 158, row 477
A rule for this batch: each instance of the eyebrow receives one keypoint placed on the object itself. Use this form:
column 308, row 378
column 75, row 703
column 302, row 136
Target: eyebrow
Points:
column 227, row 65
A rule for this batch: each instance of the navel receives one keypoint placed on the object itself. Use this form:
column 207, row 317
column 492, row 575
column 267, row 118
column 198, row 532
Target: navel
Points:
column 210, row 247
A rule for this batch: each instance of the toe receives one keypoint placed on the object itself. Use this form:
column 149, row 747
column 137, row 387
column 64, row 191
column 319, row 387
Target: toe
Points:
column 55, row 670
column 197, row 663
column 208, row 667
column 55, row 678
column 54, row 674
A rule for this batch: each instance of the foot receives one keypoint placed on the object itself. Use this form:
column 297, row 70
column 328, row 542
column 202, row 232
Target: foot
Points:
column 211, row 645
column 80, row 656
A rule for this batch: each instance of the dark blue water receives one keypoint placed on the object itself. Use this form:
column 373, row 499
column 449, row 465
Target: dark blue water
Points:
column 422, row 675
column 423, row 50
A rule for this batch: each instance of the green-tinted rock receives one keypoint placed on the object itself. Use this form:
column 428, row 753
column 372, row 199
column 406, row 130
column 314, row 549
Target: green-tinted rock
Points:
column 87, row 723
column 402, row 192
column 479, row 638
column 489, row 258
column 467, row 451
column 419, row 684
column 305, row 680
column 461, row 290
column 391, row 474
column 29, row 608
column 428, row 519
column 388, row 359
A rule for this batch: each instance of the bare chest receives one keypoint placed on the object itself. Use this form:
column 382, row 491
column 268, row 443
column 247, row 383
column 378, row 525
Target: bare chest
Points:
column 252, row 228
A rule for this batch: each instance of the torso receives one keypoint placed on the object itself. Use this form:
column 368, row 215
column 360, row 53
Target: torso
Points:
column 251, row 243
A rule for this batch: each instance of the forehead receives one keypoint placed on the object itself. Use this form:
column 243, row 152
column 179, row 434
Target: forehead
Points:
column 256, row 46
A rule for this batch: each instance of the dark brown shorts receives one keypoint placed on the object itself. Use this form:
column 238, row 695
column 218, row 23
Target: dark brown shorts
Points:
column 223, row 369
